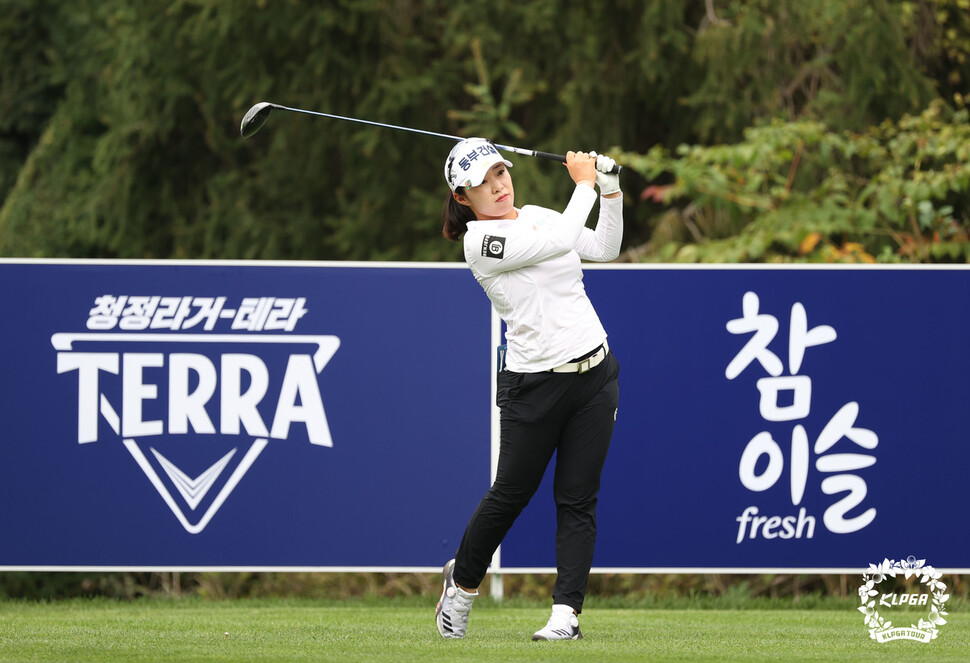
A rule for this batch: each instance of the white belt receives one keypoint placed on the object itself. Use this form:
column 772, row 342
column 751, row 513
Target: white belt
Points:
column 589, row 363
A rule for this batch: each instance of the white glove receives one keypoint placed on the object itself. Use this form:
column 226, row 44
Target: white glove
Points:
column 608, row 183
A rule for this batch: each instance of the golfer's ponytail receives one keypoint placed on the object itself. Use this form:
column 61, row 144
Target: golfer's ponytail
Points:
column 455, row 217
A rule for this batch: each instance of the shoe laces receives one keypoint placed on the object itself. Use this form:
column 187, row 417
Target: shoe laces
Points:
column 461, row 601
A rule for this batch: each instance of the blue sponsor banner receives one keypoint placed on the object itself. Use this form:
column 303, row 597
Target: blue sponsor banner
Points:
column 246, row 415
column 779, row 418
column 221, row 415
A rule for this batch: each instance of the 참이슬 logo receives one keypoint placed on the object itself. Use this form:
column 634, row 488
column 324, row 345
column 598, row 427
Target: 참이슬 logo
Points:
column 877, row 604
column 840, row 449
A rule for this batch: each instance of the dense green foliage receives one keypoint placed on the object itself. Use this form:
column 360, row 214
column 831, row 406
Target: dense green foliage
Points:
column 797, row 191
column 841, row 119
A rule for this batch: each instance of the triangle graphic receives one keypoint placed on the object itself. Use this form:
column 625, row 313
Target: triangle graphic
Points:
column 241, row 469
column 193, row 490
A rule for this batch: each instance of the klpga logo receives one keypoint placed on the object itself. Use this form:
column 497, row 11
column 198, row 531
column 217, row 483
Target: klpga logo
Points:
column 198, row 388
column 927, row 627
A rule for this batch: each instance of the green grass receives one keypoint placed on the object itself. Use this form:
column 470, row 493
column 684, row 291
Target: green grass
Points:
column 403, row 630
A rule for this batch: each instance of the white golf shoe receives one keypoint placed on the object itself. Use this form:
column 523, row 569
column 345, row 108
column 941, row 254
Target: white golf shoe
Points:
column 563, row 624
column 451, row 613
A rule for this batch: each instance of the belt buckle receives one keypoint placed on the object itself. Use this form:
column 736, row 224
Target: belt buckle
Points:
column 584, row 365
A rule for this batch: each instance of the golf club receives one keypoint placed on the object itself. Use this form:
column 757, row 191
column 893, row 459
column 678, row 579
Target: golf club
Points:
column 256, row 117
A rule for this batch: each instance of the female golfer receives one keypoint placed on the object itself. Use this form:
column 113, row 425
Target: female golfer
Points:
column 559, row 392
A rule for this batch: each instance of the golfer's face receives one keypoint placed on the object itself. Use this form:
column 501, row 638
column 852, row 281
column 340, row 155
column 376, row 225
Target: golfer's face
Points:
column 494, row 198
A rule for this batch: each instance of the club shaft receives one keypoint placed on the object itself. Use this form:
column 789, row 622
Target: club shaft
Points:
column 559, row 158
column 370, row 122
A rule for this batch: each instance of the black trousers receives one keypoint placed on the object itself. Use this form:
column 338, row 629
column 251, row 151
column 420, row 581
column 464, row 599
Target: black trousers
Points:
column 541, row 413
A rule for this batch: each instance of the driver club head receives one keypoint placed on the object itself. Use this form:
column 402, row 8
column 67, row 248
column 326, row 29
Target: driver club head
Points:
column 255, row 118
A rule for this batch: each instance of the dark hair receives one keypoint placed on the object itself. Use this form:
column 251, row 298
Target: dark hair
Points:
column 455, row 217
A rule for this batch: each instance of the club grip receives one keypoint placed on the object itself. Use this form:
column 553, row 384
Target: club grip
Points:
column 561, row 158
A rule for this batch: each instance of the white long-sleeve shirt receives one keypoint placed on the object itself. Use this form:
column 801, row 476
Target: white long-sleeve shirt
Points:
column 531, row 271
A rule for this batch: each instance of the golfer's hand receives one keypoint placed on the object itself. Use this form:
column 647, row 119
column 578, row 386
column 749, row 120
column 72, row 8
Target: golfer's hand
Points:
column 581, row 167
column 609, row 183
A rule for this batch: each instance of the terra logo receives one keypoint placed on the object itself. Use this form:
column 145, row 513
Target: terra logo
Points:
column 165, row 394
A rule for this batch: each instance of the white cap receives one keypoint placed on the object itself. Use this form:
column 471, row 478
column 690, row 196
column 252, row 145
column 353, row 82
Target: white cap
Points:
column 469, row 161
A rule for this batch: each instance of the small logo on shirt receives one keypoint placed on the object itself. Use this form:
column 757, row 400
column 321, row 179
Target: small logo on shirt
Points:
column 493, row 247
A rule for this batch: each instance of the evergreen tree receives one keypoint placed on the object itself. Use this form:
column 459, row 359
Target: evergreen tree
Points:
column 119, row 123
